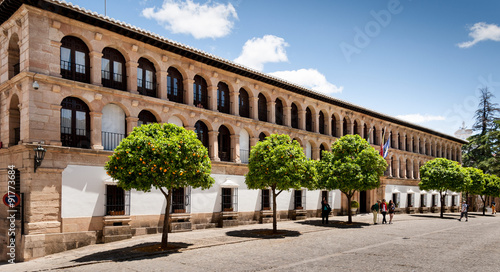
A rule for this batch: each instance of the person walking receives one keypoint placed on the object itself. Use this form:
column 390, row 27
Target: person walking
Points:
column 375, row 210
column 383, row 210
column 392, row 210
column 463, row 211
column 493, row 209
column 325, row 211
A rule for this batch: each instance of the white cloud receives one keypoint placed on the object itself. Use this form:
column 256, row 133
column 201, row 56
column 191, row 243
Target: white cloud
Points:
column 258, row 51
column 210, row 20
column 419, row 118
column 482, row 32
column 309, row 78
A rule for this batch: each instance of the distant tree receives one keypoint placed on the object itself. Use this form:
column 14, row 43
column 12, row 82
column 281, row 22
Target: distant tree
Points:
column 491, row 188
column 441, row 174
column 486, row 113
column 163, row 156
column 352, row 165
column 279, row 164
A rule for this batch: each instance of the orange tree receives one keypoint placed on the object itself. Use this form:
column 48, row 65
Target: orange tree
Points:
column 352, row 165
column 279, row 164
column 163, row 156
column 441, row 174
column 491, row 188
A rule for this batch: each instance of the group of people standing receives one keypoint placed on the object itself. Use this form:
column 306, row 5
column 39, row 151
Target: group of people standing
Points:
column 383, row 208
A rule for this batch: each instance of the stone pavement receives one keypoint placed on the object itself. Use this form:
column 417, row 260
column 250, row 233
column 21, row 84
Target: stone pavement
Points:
column 126, row 249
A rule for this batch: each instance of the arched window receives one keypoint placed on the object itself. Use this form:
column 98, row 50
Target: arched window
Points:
column 75, row 123
column 409, row 173
column 146, row 117
column 309, row 125
column 278, row 111
column 401, row 143
column 262, row 104
column 14, row 54
column 175, row 89
column 355, row 128
column 393, row 167
column 202, row 132
column 407, row 144
column 114, row 126
column 375, row 137
column 224, row 140
column 262, row 136
column 321, row 149
column 223, row 97
column 365, row 133
column 146, row 78
column 244, row 103
column 321, row 122
column 75, row 59
column 200, row 92
column 14, row 121
column 334, row 126
column 113, row 69
column 295, row 116
column 344, row 127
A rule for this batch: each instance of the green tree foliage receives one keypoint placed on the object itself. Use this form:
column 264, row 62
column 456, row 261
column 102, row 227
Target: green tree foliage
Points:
column 474, row 180
column 352, row 165
column 163, row 156
column 441, row 174
column 491, row 188
column 279, row 164
column 486, row 113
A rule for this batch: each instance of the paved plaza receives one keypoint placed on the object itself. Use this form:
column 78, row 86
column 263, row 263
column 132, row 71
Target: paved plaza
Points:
column 419, row 242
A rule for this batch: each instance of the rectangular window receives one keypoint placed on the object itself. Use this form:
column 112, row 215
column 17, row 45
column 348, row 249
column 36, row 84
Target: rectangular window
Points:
column 139, row 77
column 65, row 121
column 80, row 62
column 105, row 69
column 178, row 200
column 115, row 200
column 117, row 71
column 81, row 128
column 227, row 201
column 266, row 199
column 65, row 59
column 298, row 199
column 422, row 201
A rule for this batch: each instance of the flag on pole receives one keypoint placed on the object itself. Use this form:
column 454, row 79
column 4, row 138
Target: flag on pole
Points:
column 385, row 148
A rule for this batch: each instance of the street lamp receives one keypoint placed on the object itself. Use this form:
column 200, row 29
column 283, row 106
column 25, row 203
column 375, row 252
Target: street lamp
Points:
column 39, row 154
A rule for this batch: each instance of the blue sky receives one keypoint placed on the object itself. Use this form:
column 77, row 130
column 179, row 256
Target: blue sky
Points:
column 421, row 61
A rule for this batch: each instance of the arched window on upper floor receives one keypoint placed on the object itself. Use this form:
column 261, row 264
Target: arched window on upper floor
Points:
column 407, row 143
column 295, row 116
column 321, row 122
column 14, row 121
column 113, row 73
column 75, row 123
column 278, row 111
column 366, row 133
column 309, row 121
column 355, row 128
column 113, row 127
column 175, row 88
column 200, row 92
column 146, row 78
column 75, row 61
column 345, row 128
column 224, row 141
column 146, row 117
column 223, row 97
column 244, row 103
column 321, row 149
column 375, row 136
column 201, row 131
column 262, row 108
column 14, row 53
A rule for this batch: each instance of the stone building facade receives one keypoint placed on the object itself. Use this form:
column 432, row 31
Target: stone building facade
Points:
column 99, row 78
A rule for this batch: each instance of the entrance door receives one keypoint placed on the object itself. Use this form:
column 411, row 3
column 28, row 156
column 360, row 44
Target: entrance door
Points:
column 362, row 202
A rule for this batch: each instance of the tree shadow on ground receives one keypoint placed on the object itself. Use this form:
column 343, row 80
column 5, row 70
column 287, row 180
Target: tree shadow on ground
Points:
column 137, row 252
column 334, row 224
column 452, row 216
column 263, row 233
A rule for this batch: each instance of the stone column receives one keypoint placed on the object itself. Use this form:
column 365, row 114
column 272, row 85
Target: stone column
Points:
column 350, row 127
column 161, row 79
column 424, row 147
column 302, row 119
column 55, row 51
column 235, row 148
column 132, row 76
column 315, row 123
column 253, row 141
column 188, row 91
column 95, row 68
column 131, row 123
column 234, row 103
column 95, row 130
column 287, row 116
column 315, row 153
column 213, row 143
column 212, row 97
column 271, row 112
column 254, row 108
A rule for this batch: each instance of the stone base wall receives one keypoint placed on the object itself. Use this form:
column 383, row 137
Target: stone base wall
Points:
column 39, row 245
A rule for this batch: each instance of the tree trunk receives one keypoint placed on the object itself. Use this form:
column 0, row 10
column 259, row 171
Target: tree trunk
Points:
column 349, row 213
column 442, row 203
column 166, row 219
column 275, row 223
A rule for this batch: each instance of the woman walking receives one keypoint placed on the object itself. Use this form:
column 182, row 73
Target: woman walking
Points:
column 383, row 210
column 392, row 210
